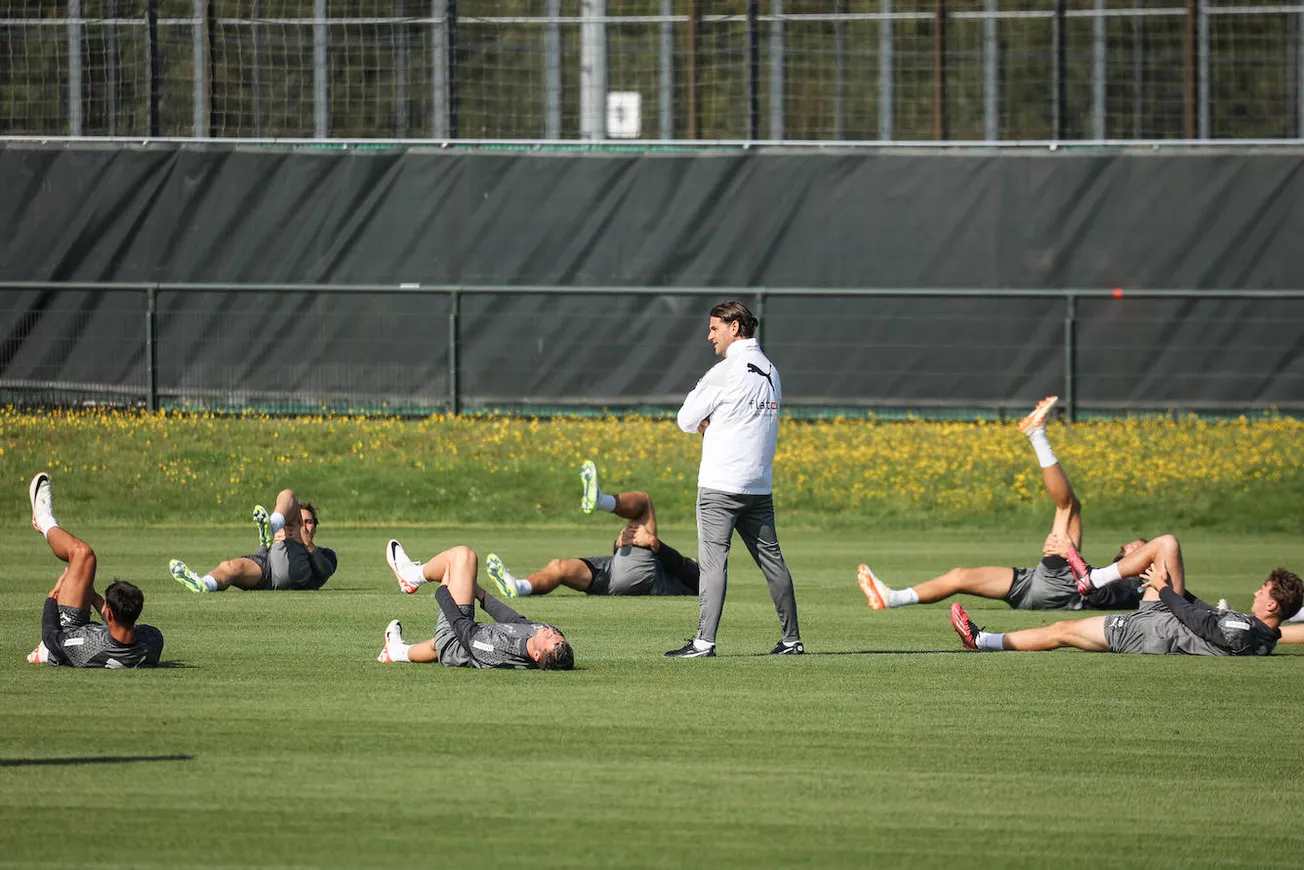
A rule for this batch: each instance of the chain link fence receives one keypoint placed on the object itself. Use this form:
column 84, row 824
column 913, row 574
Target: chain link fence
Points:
column 663, row 70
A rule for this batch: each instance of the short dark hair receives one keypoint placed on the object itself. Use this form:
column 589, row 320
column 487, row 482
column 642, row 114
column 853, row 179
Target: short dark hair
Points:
column 126, row 602
column 1118, row 557
column 1287, row 591
column 312, row 509
column 733, row 311
column 559, row 658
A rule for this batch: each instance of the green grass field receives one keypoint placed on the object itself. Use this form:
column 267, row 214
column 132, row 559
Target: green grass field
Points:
column 273, row 738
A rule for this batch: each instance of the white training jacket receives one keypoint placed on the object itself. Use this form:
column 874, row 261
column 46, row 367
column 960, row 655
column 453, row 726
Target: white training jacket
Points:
column 741, row 394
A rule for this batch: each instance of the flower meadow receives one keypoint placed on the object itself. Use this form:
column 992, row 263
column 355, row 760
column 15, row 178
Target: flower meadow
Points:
column 166, row 468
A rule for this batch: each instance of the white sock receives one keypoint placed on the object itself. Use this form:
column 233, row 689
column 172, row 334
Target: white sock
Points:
column 990, row 641
column 606, row 502
column 1298, row 617
column 399, row 651
column 413, row 574
column 1107, row 574
column 209, row 582
column 523, row 587
column 902, row 597
column 698, row 643
column 277, row 521
column 1045, row 455
column 45, row 523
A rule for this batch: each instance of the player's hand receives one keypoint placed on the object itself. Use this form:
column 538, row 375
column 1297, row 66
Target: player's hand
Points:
column 1156, row 576
column 1056, row 545
column 641, row 537
column 701, row 427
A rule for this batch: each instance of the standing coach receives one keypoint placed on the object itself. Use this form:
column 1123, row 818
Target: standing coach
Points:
column 736, row 408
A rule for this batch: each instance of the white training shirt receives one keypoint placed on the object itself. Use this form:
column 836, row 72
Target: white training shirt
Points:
column 741, row 394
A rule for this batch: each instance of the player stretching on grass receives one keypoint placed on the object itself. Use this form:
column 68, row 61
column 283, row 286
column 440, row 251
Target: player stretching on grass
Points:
column 287, row 556
column 510, row 641
column 1047, row 586
column 68, row 637
column 640, row 563
column 1171, row 621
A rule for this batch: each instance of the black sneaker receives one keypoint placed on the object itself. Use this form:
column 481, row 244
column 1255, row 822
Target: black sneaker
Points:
column 689, row 651
column 783, row 649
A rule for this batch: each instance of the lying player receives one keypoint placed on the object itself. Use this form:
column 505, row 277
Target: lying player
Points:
column 287, row 556
column 1047, row 586
column 1171, row 621
column 510, row 641
column 640, row 563
column 68, row 637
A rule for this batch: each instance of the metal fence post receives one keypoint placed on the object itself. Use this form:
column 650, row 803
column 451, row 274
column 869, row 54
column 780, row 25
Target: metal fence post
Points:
column 320, row 116
column 199, row 44
column 402, row 103
column 593, row 70
column 151, row 346
column 1070, row 357
column 1098, row 73
column 454, row 313
column 992, row 72
column 840, row 73
column 760, row 312
column 940, row 130
column 111, row 68
column 155, row 69
column 886, row 71
column 1203, row 89
column 666, row 85
column 778, row 72
column 552, row 73
column 1059, row 71
column 74, row 68
column 753, row 70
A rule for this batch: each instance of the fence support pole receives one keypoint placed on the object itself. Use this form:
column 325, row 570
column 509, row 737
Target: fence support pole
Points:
column 694, row 103
column 321, row 93
column 1059, row 72
column 992, row 73
column 151, row 346
column 155, row 69
column 454, row 397
column 760, row 312
column 666, row 85
column 1203, row 84
column 753, row 70
column 939, row 71
column 593, row 70
column 1070, row 358
column 886, row 68
column 1099, row 73
column 402, row 103
column 74, row 68
column 552, row 73
column 200, row 48
column 1188, row 69
column 840, row 73
column 778, row 71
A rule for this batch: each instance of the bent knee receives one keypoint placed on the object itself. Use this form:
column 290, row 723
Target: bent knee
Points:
column 462, row 553
column 80, row 551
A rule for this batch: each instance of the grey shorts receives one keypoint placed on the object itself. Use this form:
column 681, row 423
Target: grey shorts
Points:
column 1047, row 586
column 73, row 617
column 285, row 565
column 1152, row 630
column 630, row 571
column 448, row 648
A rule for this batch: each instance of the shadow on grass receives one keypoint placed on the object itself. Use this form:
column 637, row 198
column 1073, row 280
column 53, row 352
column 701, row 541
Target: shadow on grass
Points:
column 91, row 759
column 860, row 652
